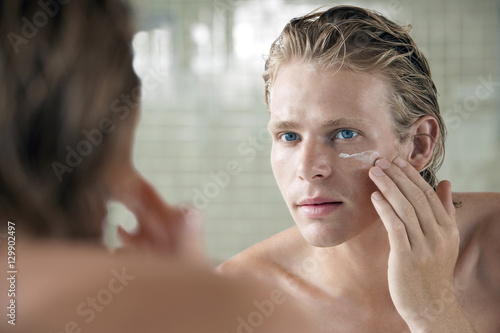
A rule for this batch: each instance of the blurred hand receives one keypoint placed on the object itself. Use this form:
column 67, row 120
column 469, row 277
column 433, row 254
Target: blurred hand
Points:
column 162, row 227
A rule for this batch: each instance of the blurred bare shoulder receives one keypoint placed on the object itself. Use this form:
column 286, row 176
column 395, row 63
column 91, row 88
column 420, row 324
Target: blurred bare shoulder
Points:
column 66, row 288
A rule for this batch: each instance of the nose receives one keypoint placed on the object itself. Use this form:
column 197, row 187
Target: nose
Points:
column 314, row 163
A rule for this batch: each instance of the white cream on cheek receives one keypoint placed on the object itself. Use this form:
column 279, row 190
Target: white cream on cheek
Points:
column 368, row 157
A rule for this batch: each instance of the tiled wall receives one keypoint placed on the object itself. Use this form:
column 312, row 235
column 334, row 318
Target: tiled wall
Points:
column 203, row 108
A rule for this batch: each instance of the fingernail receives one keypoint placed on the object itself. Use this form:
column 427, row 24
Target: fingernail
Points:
column 377, row 196
column 377, row 171
column 400, row 162
column 384, row 163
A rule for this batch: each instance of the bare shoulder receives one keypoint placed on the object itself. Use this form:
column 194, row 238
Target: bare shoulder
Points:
column 478, row 212
column 264, row 259
column 478, row 219
column 72, row 288
column 477, row 204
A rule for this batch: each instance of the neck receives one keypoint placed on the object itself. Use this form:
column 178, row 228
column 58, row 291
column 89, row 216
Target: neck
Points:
column 358, row 266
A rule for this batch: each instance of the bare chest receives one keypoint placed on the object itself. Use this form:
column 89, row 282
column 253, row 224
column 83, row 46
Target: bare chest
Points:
column 341, row 314
column 479, row 301
column 334, row 314
column 476, row 288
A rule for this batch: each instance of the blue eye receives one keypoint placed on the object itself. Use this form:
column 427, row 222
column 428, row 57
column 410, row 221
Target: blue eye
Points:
column 289, row 136
column 346, row 134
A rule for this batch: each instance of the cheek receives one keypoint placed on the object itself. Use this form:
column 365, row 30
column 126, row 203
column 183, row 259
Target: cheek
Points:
column 278, row 164
column 364, row 159
column 354, row 169
column 282, row 165
column 279, row 158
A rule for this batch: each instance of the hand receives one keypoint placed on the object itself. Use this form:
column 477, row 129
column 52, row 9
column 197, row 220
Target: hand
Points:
column 424, row 241
column 162, row 228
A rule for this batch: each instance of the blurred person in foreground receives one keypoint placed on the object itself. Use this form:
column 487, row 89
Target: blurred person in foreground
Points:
column 69, row 104
column 379, row 245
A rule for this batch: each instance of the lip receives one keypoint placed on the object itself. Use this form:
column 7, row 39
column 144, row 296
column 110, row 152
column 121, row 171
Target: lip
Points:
column 316, row 201
column 318, row 206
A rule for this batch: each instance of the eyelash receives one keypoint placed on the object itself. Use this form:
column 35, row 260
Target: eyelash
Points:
column 347, row 130
column 356, row 133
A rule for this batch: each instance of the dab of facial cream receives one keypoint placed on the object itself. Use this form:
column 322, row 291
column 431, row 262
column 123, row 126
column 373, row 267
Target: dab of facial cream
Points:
column 369, row 156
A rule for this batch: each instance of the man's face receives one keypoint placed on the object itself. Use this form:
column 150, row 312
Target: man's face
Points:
column 328, row 129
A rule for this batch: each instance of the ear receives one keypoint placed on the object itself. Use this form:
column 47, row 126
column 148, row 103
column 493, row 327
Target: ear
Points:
column 424, row 135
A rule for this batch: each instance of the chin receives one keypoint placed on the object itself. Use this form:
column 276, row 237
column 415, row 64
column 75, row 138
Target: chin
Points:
column 324, row 234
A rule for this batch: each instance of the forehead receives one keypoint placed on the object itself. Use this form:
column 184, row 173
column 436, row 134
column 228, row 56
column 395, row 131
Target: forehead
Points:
column 304, row 91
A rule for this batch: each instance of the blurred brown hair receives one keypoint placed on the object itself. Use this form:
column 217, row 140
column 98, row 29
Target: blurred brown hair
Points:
column 65, row 67
column 362, row 40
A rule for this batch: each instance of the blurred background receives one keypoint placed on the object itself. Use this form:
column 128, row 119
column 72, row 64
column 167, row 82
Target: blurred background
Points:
column 202, row 139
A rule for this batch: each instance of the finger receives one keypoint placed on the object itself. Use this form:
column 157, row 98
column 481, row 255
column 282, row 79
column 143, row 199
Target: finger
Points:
column 151, row 230
column 156, row 218
column 160, row 224
column 418, row 204
column 136, row 240
column 399, row 203
column 124, row 236
column 440, row 213
column 396, row 229
column 444, row 194
column 128, row 238
column 191, row 237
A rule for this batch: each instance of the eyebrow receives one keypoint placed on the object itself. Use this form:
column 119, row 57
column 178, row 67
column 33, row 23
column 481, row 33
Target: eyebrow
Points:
column 285, row 124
